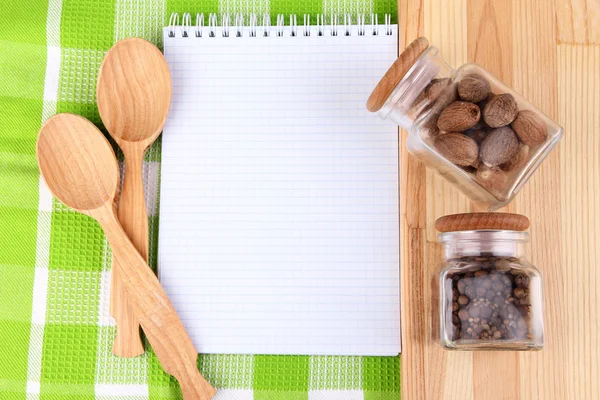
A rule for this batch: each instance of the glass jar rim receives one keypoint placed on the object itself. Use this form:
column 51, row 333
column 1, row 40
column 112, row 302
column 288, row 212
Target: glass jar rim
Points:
column 483, row 235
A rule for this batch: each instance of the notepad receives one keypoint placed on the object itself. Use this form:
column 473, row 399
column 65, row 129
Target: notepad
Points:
column 279, row 229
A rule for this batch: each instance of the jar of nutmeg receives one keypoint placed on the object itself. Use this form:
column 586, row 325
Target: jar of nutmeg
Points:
column 490, row 295
column 474, row 130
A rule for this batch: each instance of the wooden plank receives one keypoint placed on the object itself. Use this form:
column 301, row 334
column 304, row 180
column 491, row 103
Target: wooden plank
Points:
column 577, row 21
column 420, row 261
column 490, row 41
column 414, row 345
column 579, row 105
column 535, row 70
column 412, row 222
column 450, row 374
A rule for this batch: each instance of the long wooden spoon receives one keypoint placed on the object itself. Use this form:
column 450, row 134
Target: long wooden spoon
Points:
column 134, row 94
column 81, row 170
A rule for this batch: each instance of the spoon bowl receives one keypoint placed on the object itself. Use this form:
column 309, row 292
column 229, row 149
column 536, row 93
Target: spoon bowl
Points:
column 77, row 162
column 134, row 91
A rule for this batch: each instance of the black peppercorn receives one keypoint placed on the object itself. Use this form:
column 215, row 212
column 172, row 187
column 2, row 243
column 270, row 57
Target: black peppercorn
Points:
column 490, row 304
column 470, row 291
column 486, row 311
column 520, row 292
column 522, row 281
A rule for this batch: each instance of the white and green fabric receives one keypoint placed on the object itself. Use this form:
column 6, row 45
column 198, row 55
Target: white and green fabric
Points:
column 55, row 330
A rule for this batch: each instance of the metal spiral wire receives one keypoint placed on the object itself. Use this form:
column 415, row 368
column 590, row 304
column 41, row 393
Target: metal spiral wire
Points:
column 227, row 26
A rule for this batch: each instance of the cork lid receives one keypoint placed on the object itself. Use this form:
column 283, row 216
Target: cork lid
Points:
column 395, row 73
column 482, row 221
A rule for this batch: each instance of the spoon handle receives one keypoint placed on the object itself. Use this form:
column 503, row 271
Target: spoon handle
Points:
column 152, row 307
column 134, row 220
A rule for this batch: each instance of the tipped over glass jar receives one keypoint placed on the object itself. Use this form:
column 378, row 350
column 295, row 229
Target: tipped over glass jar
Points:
column 474, row 130
column 490, row 296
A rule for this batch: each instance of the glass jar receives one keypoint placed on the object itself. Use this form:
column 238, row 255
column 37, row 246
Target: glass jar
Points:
column 498, row 138
column 490, row 296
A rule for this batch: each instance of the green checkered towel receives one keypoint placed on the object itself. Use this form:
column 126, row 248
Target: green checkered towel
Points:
column 55, row 330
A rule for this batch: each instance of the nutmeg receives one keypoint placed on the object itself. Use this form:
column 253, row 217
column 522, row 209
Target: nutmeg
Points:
column 431, row 126
column 417, row 105
column 518, row 161
column 457, row 148
column 435, row 88
column 473, row 88
column 499, row 146
column 500, row 110
column 459, row 116
column 530, row 128
column 445, row 98
column 494, row 180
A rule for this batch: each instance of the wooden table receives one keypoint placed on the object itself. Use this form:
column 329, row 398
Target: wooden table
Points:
column 549, row 51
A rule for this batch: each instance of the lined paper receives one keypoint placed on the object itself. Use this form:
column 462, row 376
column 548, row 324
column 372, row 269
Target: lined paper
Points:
column 279, row 195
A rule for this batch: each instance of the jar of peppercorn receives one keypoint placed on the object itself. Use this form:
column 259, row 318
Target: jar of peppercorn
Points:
column 490, row 295
column 474, row 130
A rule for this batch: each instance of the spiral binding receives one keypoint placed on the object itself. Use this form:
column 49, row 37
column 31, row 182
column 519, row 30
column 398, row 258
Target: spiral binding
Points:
column 333, row 28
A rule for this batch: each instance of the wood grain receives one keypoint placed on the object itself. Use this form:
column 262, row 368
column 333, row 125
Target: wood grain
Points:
column 579, row 105
column 523, row 43
column 490, row 44
column 577, row 21
column 134, row 220
column 134, row 95
column 482, row 220
column 81, row 170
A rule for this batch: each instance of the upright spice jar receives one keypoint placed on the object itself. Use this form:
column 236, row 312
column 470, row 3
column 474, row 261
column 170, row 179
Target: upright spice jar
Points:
column 474, row 130
column 490, row 296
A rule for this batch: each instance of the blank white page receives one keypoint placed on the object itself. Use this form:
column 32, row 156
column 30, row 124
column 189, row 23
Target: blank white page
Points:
column 279, row 195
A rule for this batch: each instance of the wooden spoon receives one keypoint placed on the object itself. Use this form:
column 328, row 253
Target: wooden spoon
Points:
column 134, row 94
column 81, row 170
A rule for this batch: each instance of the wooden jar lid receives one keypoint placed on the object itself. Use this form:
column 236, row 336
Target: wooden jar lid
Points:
column 394, row 75
column 482, row 221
